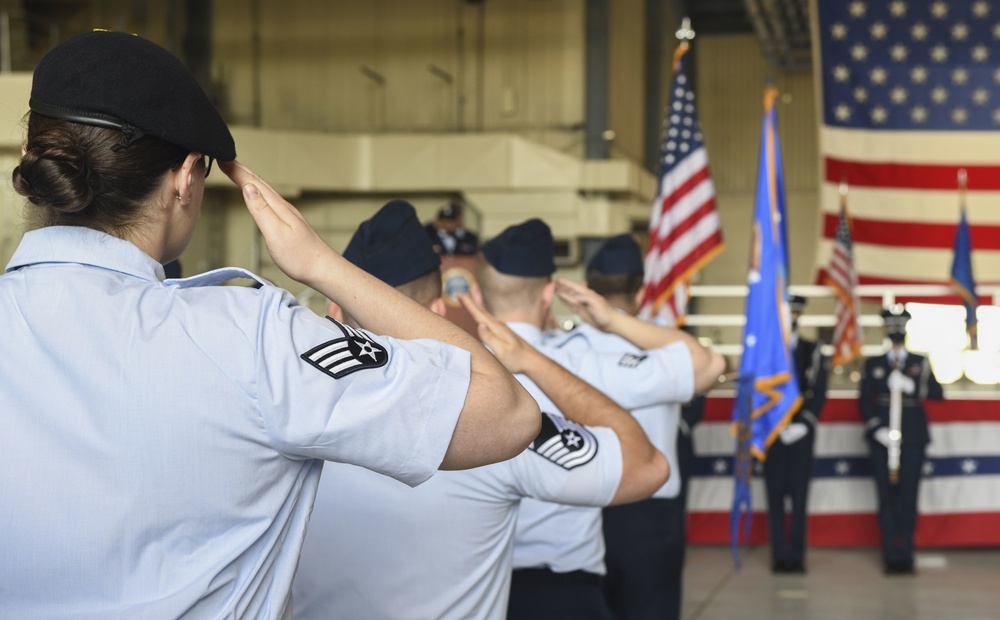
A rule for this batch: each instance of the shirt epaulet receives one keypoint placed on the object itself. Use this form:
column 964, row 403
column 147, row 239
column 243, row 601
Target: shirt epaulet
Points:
column 216, row 277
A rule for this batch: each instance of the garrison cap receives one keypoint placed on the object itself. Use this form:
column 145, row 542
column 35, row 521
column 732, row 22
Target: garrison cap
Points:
column 526, row 250
column 120, row 81
column 618, row 255
column 393, row 246
column 797, row 303
column 895, row 318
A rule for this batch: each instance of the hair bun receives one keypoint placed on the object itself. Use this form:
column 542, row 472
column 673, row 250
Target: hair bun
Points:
column 55, row 174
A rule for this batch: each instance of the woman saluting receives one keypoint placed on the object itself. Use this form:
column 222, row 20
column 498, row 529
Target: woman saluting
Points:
column 161, row 441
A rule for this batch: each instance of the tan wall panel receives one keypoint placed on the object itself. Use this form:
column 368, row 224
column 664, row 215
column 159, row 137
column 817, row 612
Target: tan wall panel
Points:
column 626, row 78
column 732, row 75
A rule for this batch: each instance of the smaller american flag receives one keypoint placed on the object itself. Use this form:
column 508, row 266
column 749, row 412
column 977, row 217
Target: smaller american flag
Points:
column 843, row 279
column 684, row 229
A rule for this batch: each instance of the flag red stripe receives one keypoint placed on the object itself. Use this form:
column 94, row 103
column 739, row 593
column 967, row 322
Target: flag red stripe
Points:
column 960, row 529
column 686, row 263
column 674, row 197
column 707, row 208
column 911, row 234
column 845, row 410
column 909, row 176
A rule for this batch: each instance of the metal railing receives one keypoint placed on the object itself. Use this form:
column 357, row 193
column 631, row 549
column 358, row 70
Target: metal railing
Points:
column 887, row 293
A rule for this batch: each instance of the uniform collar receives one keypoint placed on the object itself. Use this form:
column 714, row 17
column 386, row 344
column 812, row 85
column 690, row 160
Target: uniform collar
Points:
column 528, row 332
column 84, row 246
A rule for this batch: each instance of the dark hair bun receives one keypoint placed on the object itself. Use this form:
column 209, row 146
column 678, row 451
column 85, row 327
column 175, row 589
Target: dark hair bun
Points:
column 54, row 173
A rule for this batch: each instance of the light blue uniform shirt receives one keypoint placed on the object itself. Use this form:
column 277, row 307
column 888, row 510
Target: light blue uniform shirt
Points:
column 377, row 549
column 158, row 441
column 569, row 538
column 660, row 421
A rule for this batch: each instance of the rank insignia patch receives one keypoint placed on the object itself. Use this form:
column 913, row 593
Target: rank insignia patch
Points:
column 563, row 442
column 342, row 356
column 631, row 360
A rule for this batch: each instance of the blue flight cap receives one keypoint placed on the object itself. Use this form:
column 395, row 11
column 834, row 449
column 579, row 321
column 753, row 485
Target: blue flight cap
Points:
column 393, row 246
column 797, row 303
column 525, row 250
column 618, row 255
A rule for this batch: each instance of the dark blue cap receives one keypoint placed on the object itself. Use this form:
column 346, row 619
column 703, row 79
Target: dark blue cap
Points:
column 392, row 245
column 618, row 255
column 524, row 250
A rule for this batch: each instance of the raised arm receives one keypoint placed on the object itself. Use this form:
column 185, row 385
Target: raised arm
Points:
column 644, row 468
column 499, row 418
column 595, row 310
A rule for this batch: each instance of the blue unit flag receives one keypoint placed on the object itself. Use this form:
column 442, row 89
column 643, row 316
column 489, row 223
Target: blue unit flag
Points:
column 768, row 392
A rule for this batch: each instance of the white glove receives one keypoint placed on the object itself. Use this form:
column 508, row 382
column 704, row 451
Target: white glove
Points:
column 899, row 381
column 882, row 436
column 793, row 432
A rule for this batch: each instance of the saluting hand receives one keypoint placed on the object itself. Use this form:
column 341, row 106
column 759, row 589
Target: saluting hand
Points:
column 292, row 243
column 514, row 353
column 587, row 304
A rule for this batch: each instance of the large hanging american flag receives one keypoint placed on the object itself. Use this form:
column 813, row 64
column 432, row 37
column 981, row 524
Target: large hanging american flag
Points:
column 841, row 276
column 684, row 229
column 910, row 95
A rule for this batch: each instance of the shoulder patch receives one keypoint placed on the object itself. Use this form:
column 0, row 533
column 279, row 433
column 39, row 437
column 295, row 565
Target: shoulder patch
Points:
column 631, row 360
column 564, row 442
column 342, row 356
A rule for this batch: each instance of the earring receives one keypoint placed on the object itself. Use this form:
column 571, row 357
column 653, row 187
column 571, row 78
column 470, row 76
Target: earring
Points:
column 178, row 197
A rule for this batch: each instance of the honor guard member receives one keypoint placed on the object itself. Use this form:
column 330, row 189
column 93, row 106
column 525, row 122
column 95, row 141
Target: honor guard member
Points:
column 559, row 550
column 448, row 234
column 789, row 465
column 644, row 540
column 911, row 375
column 160, row 444
column 378, row 549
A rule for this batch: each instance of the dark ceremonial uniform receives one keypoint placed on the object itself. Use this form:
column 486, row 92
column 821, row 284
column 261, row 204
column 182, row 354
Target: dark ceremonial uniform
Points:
column 460, row 241
column 897, row 503
column 788, row 468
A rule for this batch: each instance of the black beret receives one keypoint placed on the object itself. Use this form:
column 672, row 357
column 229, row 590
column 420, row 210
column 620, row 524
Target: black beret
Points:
column 797, row 303
column 121, row 81
column 393, row 246
column 618, row 255
column 525, row 250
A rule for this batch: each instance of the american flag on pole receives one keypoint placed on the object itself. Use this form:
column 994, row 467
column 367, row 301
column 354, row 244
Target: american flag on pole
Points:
column 843, row 279
column 910, row 95
column 684, row 229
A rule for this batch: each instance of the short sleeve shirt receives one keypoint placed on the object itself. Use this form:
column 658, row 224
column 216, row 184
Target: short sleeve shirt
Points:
column 564, row 538
column 378, row 549
column 160, row 441
column 659, row 421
